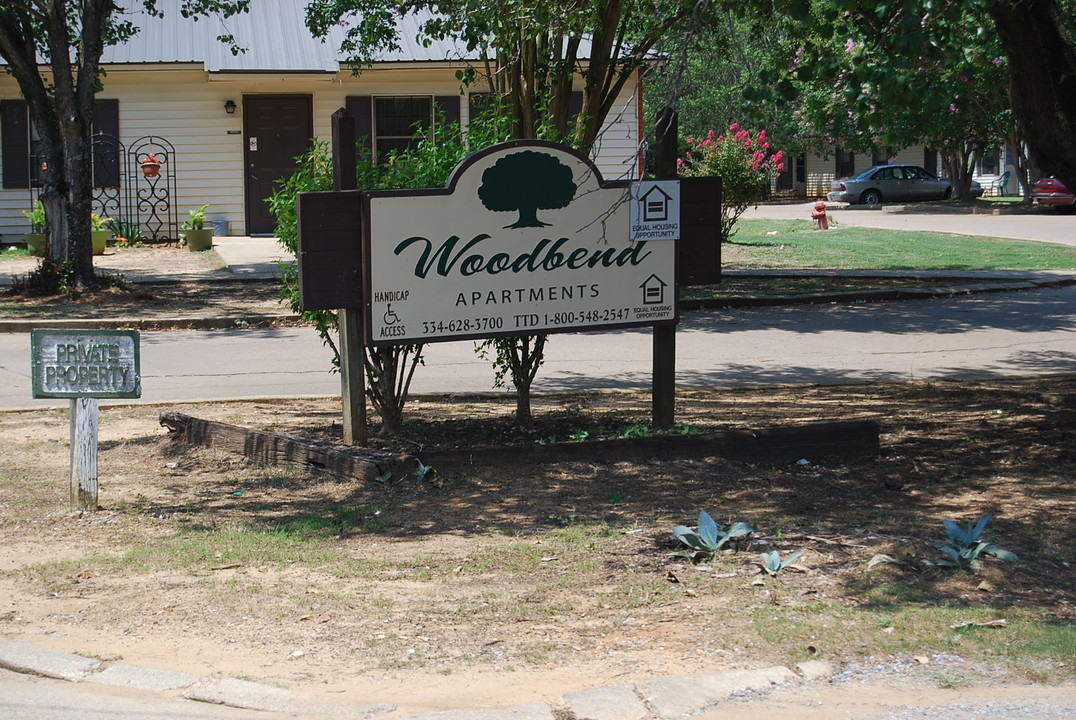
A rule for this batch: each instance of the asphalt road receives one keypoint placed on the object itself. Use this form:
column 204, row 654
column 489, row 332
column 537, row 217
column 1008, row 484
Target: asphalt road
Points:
column 981, row 336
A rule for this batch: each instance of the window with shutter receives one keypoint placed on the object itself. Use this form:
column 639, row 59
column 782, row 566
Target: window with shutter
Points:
column 20, row 146
column 15, row 143
column 387, row 123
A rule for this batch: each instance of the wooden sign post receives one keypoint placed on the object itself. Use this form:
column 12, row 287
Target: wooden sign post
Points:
column 663, row 396
column 85, row 365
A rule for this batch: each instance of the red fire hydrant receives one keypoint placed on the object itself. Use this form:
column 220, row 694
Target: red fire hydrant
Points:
column 819, row 216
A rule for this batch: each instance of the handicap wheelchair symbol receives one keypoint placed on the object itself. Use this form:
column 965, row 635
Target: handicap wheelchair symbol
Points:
column 390, row 317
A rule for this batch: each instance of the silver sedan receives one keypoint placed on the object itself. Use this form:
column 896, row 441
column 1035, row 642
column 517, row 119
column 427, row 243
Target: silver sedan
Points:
column 894, row 183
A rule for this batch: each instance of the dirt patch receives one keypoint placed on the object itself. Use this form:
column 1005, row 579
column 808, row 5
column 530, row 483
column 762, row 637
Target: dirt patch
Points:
column 514, row 582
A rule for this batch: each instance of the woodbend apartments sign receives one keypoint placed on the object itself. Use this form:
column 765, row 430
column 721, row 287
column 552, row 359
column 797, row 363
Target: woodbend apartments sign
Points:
column 525, row 239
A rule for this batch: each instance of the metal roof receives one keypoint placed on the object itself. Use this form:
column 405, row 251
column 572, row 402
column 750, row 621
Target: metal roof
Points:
column 273, row 34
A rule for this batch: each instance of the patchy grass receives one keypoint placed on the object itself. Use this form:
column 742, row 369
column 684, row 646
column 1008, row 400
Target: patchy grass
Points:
column 554, row 563
column 794, row 244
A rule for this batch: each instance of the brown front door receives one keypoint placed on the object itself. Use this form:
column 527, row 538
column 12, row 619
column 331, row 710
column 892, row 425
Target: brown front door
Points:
column 277, row 129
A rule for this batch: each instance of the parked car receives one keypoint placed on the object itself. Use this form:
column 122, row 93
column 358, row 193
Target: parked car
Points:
column 895, row 183
column 1051, row 191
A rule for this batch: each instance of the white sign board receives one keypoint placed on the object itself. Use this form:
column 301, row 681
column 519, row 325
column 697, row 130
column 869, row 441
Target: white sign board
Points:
column 525, row 239
column 655, row 210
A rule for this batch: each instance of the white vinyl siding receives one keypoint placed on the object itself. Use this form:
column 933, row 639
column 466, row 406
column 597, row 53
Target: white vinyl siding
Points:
column 186, row 107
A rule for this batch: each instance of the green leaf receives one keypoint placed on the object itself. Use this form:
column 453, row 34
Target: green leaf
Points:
column 792, row 558
column 1000, row 554
column 688, row 537
column 739, row 529
column 955, row 533
column 708, row 530
column 977, row 531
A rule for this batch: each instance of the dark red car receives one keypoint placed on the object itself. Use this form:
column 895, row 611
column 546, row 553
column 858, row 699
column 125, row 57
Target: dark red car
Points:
column 1051, row 191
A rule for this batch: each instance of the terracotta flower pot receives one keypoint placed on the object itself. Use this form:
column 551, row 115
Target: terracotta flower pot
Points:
column 151, row 166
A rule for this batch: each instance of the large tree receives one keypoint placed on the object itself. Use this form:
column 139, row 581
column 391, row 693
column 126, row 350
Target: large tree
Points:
column 53, row 49
column 1036, row 37
column 1039, row 43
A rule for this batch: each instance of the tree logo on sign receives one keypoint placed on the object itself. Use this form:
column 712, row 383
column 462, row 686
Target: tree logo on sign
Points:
column 526, row 182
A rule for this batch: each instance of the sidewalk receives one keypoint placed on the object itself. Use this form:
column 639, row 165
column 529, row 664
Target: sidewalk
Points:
column 244, row 258
column 655, row 698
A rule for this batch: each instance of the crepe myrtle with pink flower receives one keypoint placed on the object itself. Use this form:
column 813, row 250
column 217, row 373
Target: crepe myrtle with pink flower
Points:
column 744, row 161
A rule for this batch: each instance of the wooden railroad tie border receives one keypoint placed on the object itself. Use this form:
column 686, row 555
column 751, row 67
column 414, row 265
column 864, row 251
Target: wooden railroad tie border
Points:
column 816, row 442
column 276, row 449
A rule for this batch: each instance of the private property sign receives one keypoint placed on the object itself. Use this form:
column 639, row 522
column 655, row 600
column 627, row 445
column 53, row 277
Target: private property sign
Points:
column 525, row 238
column 85, row 363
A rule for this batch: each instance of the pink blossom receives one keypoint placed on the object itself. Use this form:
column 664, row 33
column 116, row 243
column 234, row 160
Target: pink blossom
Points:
column 849, row 46
column 780, row 167
column 734, row 127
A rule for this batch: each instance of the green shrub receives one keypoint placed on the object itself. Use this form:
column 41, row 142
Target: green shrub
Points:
column 427, row 163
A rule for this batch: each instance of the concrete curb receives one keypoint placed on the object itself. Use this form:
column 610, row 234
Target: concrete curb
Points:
column 898, row 294
column 214, row 323
column 660, row 698
column 29, row 659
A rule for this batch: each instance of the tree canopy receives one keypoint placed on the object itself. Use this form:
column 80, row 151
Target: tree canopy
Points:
column 528, row 54
column 53, row 49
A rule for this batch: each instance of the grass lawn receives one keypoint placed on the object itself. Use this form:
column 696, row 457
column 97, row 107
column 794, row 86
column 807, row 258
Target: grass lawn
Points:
column 795, row 244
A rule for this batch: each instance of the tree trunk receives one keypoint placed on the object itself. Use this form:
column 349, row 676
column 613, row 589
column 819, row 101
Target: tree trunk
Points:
column 1043, row 61
column 72, row 238
column 390, row 370
column 525, row 359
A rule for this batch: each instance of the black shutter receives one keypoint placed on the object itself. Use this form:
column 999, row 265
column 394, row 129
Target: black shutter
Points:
column 449, row 106
column 106, row 117
column 15, row 143
column 575, row 105
column 106, row 157
column 361, row 106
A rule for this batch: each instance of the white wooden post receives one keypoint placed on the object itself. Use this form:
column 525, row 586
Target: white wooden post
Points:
column 84, row 422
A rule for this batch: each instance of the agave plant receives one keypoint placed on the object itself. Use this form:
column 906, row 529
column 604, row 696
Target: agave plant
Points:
column 709, row 538
column 771, row 562
column 965, row 545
